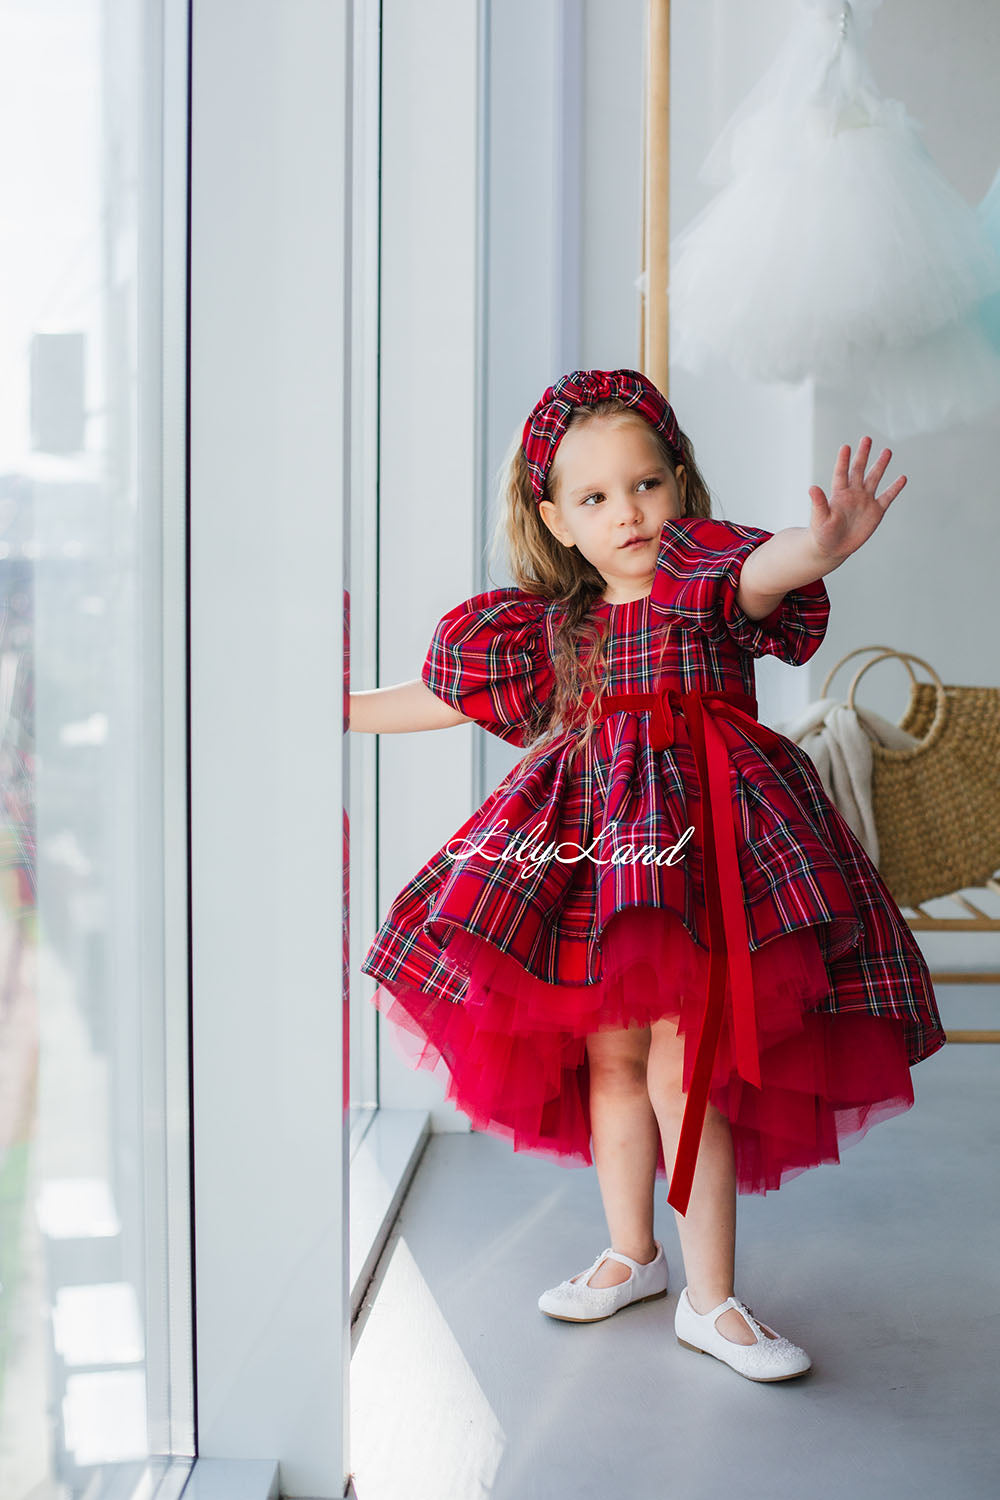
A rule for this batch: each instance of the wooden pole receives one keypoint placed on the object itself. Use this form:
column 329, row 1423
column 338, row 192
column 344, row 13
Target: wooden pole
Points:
column 654, row 336
column 643, row 296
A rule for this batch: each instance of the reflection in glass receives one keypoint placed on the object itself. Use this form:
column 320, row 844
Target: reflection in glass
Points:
column 94, row 1304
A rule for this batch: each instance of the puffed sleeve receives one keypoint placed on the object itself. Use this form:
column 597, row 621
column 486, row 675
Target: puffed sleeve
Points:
column 488, row 658
column 697, row 577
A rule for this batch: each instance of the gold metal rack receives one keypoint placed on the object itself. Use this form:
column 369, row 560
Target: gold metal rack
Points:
column 971, row 919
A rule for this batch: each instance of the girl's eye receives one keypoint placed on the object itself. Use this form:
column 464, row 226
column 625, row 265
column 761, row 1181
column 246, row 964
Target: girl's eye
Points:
column 597, row 494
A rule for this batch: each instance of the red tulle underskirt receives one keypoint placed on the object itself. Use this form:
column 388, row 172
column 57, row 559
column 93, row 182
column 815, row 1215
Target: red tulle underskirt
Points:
column 514, row 1052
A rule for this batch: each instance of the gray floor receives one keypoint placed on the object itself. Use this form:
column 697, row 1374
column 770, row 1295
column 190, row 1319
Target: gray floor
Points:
column 885, row 1267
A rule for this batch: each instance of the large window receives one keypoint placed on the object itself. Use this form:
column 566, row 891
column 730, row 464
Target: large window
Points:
column 95, row 1338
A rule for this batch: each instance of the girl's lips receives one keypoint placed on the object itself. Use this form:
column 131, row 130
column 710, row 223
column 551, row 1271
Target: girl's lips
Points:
column 637, row 541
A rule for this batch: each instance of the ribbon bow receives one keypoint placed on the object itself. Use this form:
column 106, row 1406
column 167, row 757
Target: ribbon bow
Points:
column 549, row 418
column 728, row 941
column 597, row 383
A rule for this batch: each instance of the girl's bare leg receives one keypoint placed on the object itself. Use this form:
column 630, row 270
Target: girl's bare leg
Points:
column 708, row 1230
column 625, row 1144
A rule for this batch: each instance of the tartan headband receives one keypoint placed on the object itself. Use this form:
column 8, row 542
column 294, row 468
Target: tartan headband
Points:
column 549, row 419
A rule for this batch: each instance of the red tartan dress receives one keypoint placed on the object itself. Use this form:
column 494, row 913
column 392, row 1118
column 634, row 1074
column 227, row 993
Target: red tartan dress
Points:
column 722, row 888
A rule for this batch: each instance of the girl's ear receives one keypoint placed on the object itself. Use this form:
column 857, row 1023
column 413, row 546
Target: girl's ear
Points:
column 680, row 474
column 550, row 519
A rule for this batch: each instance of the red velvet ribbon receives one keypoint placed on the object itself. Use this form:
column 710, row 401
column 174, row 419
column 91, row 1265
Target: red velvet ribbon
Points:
column 729, row 946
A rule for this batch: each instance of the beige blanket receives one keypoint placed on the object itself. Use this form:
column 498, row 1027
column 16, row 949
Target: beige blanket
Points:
column 838, row 740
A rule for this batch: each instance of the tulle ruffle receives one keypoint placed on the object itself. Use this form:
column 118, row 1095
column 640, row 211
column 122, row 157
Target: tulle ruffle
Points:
column 515, row 1060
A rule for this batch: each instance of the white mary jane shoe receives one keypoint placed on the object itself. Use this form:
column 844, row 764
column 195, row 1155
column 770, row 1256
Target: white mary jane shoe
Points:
column 575, row 1302
column 768, row 1359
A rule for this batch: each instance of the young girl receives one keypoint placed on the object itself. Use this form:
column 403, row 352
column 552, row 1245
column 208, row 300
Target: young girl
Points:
column 657, row 935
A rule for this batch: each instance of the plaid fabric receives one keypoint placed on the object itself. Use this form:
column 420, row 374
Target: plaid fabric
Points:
column 696, row 581
column 800, row 863
column 488, row 659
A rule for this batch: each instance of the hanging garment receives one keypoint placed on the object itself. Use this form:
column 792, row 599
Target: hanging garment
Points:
column 835, row 250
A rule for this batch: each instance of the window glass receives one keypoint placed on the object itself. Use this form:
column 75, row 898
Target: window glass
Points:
column 95, row 1340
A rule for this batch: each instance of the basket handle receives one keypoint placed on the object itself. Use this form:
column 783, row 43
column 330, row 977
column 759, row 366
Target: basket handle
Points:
column 857, row 649
column 905, row 656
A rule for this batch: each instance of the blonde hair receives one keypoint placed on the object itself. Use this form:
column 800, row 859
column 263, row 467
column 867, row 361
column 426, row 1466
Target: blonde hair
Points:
column 540, row 564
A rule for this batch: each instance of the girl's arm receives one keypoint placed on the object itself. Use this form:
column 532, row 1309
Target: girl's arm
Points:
column 837, row 528
column 402, row 709
column 787, row 560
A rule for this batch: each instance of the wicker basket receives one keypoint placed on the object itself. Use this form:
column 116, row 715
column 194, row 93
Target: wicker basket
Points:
column 937, row 806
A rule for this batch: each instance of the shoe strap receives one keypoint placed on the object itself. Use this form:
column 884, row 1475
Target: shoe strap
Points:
column 741, row 1307
column 627, row 1260
column 582, row 1277
column 729, row 1302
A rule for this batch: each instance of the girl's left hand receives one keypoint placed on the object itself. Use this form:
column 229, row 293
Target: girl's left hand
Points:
column 841, row 525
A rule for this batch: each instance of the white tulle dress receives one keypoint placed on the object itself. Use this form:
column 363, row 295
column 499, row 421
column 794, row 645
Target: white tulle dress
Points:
column 835, row 249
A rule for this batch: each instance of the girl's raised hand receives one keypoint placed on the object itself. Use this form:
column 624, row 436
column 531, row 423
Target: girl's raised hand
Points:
column 842, row 524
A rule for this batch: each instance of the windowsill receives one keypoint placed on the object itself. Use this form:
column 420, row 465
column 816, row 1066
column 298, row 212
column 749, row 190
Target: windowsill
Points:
column 381, row 1170
column 232, row 1479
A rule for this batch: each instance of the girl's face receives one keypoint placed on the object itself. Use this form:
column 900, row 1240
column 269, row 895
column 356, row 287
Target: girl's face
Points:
column 612, row 485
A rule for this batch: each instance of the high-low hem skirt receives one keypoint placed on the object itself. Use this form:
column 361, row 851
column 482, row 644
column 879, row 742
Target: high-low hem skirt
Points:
column 514, row 1051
